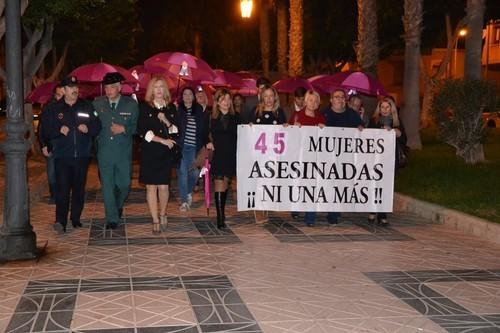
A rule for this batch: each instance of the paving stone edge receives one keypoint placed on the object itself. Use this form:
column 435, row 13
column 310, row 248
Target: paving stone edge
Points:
column 466, row 223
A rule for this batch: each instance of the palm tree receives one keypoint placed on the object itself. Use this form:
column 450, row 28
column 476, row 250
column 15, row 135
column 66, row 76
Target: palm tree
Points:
column 265, row 37
column 473, row 40
column 296, row 65
column 282, row 37
column 367, row 45
column 412, row 21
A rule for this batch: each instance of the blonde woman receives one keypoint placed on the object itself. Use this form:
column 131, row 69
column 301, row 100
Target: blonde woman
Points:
column 268, row 111
column 223, row 133
column 386, row 116
column 157, row 129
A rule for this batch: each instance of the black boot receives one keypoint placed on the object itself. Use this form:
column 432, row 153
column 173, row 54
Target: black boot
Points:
column 224, row 197
column 220, row 210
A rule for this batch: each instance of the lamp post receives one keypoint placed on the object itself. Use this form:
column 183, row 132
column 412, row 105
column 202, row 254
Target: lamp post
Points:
column 17, row 239
column 246, row 8
column 461, row 33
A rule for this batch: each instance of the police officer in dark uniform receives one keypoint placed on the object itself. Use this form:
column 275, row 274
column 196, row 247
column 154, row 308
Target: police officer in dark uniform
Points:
column 70, row 125
column 118, row 115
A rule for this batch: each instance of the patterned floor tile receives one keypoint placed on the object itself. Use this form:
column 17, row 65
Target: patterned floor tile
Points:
column 103, row 319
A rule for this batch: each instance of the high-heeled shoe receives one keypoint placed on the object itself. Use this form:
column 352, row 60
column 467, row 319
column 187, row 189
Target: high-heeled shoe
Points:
column 163, row 223
column 156, row 228
column 383, row 222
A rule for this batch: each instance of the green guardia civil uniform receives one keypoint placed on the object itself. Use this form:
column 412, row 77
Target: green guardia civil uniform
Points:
column 114, row 152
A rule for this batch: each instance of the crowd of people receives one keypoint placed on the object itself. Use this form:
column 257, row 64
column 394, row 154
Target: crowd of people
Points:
column 172, row 134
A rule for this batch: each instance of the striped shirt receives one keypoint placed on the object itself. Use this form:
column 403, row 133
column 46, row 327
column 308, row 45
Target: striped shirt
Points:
column 190, row 137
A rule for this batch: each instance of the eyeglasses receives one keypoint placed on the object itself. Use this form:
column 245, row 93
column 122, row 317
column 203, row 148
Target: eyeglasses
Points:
column 339, row 96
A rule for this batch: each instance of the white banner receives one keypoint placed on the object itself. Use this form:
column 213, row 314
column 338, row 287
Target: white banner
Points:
column 313, row 169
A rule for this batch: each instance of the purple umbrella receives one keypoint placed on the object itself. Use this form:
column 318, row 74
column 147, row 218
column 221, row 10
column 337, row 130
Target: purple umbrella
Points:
column 289, row 85
column 180, row 65
column 358, row 82
column 248, row 88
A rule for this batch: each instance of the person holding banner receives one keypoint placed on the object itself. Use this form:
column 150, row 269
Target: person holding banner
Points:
column 338, row 114
column 386, row 117
column 268, row 111
column 223, row 134
column 309, row 116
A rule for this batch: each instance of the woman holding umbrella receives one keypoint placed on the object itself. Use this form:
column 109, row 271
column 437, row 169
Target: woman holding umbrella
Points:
column 223, row 132
column 156, row 127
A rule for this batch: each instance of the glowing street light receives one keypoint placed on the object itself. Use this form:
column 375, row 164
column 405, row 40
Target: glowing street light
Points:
column 246, row 8
column 461, row 33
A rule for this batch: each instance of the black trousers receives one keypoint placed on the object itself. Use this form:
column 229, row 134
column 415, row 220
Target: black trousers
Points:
column 71, row 176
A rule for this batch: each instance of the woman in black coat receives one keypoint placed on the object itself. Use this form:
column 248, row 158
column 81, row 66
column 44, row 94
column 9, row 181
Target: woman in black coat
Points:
column 157, row 128
column 223, row 134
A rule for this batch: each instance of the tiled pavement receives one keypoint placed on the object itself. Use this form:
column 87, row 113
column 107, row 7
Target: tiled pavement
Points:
column 280, row 277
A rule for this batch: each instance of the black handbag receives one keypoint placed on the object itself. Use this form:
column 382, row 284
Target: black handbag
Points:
column 401, row 155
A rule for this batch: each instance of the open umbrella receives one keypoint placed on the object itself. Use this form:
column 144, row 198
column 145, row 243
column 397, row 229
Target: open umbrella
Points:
column 248, row 89
column 95, row 72
column 289, row 85
column 246, row 75
column 180, row 65
column 42, row 94
column 358, row 82
column 226, row 79
column 144, row 75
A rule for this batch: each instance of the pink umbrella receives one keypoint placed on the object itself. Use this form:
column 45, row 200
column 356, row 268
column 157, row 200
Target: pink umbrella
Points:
column 358, row 82
column 289, row 85
column 144, row 75
column 205, row 172
column 180, row 65
column 248, row 89
column 90, row 91
column 226, row 79
column 42, row 94
column 96, row 72
column 246, row 75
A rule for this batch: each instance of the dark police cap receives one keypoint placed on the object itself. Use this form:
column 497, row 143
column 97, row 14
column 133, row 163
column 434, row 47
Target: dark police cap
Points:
column 69, row 81
column 113, row 77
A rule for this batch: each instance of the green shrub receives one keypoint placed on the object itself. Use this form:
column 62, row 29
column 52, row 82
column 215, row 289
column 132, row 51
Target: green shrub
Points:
column 458, row 108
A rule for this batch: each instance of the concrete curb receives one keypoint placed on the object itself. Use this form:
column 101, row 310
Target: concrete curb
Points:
column 466, row 223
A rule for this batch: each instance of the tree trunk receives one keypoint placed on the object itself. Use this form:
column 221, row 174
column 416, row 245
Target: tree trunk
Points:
column 367, row 45
column 472, row 153
column 296, row 63
column 473, row 39
column 265, row 37
column 282, row 39
column 425, row 115
column 432, row 79
column 412, row 21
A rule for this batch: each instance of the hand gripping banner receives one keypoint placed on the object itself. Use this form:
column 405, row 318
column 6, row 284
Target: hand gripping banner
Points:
column 312, row 169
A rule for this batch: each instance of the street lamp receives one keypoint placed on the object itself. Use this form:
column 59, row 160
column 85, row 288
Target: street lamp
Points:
column 246, row 8
column 461, row 33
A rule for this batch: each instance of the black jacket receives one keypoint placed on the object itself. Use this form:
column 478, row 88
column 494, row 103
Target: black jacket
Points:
column 202, row 122
column 76, row 144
